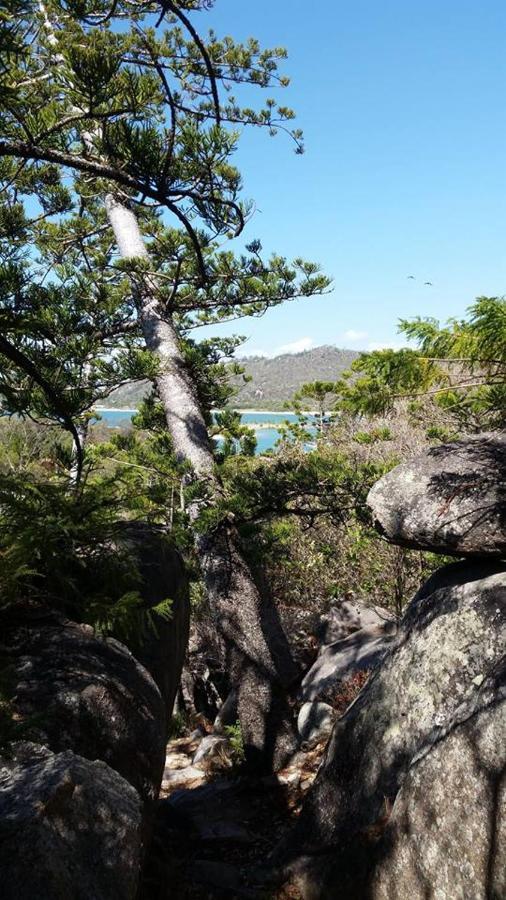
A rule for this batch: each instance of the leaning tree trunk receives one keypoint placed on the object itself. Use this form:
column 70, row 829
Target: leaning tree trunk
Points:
column 258, row 657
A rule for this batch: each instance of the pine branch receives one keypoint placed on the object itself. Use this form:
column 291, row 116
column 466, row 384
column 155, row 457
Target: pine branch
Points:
column 21, row 361
column 168, row 5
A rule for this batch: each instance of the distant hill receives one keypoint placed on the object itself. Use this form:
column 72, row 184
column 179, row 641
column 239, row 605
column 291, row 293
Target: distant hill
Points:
column 274, row 380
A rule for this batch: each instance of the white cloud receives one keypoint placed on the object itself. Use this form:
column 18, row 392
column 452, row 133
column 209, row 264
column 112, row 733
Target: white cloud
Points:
column 299, row 346
column 352, row 335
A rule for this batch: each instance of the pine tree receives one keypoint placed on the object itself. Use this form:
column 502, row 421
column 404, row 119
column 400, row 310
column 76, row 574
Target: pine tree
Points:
column 318, row 397
column 125, row 102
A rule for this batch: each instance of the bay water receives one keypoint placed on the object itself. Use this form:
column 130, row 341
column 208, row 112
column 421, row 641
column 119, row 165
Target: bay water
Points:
column 264, row 422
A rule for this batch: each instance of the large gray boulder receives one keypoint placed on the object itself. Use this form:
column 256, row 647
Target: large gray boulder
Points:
column 450, row 499
column 424, row 743
column 453, row 799
column 80, row 808
column 70, row 828
column 346, row 616
column 361, row 651
column 86, row 694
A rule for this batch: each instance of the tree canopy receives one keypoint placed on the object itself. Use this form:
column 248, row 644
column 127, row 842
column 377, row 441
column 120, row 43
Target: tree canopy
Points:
column 460, row 366
column 125, row 97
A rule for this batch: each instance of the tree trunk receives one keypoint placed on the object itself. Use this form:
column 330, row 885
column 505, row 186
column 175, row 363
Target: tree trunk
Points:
column 257, row 652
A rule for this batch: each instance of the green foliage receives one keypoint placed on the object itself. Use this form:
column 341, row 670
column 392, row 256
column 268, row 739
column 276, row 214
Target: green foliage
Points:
column 210, row 366
column 318, row 392
column 293, row 483
column 56, row 547
column 236, row 437
column 65, row 548
column 128, row 618
column 460, row 366
column 373, row 435
column 440, row 433
column 235, row 738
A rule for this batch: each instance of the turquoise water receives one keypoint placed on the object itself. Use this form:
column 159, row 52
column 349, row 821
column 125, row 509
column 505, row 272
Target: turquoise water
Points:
column 266, row 437
column 115, row 418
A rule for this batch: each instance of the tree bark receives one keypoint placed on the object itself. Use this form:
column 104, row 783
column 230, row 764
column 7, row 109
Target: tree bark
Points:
column 257, row 652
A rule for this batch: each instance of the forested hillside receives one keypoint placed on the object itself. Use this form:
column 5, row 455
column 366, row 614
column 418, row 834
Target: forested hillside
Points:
column 271, row 383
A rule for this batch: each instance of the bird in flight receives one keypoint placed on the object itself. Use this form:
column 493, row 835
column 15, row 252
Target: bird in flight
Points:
column 428, row 283
column 412, row 277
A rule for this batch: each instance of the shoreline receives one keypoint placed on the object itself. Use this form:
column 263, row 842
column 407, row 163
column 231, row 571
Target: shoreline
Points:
column 256, row 412
column 128, row 409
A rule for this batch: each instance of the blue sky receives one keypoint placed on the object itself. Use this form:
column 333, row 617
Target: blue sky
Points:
column 402, row 106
